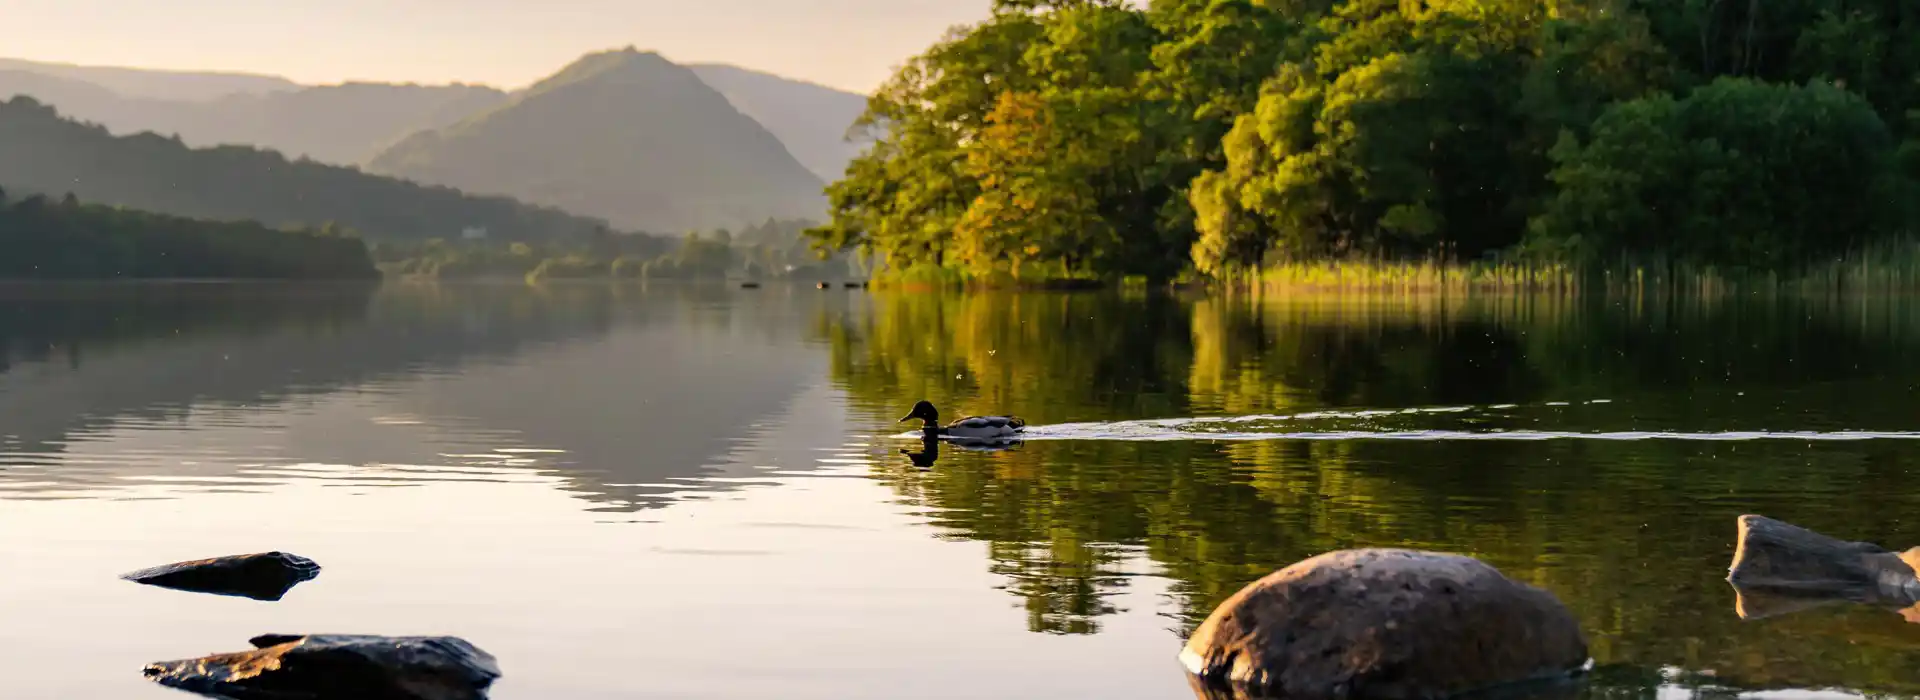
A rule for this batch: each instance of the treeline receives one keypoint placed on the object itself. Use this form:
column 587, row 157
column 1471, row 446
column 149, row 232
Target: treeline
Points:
column 67, row 240
column 769, row 250
column 42, row 152
column 1101, row 138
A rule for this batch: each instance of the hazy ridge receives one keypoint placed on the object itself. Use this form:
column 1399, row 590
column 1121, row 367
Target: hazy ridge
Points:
column 42, row 152
column 626, row 136
column 644, row 146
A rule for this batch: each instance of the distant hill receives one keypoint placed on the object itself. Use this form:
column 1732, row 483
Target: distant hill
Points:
column 41, row 152
column 352, row 123
column 623, row 135
column 341, row 124
column 812, row 120
column 77, row 97
column 157, row 84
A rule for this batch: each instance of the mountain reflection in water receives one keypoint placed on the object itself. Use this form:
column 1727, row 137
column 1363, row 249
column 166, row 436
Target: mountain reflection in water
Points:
column 701, row 492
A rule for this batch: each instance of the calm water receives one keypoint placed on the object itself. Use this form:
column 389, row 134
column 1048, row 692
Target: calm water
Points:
column 701, row 493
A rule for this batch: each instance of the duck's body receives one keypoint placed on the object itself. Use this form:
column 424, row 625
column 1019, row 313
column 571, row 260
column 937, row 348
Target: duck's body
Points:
column 971, row 427
column 984, row 427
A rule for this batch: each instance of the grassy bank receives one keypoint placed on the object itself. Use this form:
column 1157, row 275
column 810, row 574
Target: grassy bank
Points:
column 926, row 276
column 1889, row 266
column 1411, row 277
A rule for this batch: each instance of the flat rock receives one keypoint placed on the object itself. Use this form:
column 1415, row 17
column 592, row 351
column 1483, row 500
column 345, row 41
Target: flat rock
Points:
column 265, row 576
column 342, row 667
column 1384, row 623
column 1780, row 568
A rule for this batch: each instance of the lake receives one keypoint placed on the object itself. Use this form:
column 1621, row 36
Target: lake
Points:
column 701, row 492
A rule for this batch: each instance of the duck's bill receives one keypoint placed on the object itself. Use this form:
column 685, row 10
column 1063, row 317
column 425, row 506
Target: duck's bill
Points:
column 903, row 420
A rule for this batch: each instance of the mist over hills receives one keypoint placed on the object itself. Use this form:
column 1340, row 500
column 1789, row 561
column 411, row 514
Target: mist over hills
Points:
column 340, row 124
column 631, row 137
column 812, row 120
column 43, row 153
column 343, row 124
column 157, row 84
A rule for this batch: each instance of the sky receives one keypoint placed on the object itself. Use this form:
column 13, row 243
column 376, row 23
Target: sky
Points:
column 848, row 44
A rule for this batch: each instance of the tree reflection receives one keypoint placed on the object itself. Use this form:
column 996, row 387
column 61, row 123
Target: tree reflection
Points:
column 1634, row 535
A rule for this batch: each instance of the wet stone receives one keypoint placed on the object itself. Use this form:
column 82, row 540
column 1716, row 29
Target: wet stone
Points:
column 342, row 667
column 1779, row 568
column 1384, row 623
column 265, row 576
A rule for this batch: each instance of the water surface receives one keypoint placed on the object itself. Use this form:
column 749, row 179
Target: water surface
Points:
column 682, row 492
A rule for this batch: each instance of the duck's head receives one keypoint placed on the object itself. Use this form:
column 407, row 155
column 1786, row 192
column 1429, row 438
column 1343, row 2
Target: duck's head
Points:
column 924, row 411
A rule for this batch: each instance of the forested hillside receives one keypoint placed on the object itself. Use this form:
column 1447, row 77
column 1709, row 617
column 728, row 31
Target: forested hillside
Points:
column 1101, row 138
column 40, row 152
column 61, row 240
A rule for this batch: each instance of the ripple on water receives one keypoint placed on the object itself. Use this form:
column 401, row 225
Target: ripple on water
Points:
column 1461, row 423
column 182, row 472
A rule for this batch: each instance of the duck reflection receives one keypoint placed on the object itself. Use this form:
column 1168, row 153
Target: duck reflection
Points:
column 930, row 448
column 928, row 454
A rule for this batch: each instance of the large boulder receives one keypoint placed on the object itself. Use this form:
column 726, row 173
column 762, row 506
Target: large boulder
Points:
column 258, row 576
column 324, row 667
column 1384, row 623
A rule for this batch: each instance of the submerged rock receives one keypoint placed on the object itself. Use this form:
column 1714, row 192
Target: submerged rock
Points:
column 343, row 667
column 1384, row 623
column 258, row 576
column 1780, row 569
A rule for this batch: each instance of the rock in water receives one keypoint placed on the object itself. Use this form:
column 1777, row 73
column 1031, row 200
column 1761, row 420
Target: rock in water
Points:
column 342, row 667
column 1780, row 568
column 1384, row 623
column 258, row 576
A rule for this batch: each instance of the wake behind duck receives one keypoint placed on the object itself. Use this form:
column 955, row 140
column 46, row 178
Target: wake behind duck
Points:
column 1419, row 424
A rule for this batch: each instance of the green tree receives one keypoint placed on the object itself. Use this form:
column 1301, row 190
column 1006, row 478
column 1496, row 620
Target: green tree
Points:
column 1107, row 139
column 1738, row 172
column 72, row 240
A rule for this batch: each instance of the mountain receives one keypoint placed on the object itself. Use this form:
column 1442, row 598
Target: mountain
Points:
column 78, row 96
column 43, row 153
column 622, row 135
column 352, row 123
column 342, row 124
column 157, row 84
column 812, row 120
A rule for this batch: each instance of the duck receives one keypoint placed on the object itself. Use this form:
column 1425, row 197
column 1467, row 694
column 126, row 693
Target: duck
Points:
column 969, row 427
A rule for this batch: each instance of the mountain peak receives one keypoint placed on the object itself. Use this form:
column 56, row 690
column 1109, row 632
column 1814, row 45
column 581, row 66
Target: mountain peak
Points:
column 627, row 63
column 625, row 135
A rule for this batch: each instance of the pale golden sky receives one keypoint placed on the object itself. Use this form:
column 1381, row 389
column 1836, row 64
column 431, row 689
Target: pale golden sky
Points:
column 850, row 44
